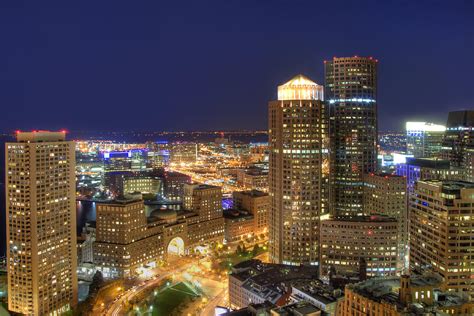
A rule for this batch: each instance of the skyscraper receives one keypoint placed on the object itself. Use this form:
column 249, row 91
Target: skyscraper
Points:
column 351, row 91
column 299, row 171
column 41, row 223
column 424, row 140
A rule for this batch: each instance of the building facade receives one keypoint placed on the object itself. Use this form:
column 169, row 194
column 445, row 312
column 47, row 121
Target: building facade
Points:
column 459, row 137
column 349, row 241
column 238, row 225
column 124, row 242
column 424, row 140
column 442, row 230
column 416, row 169
column 253, row 179
column 127, row 242
column 256, row 203
column 351, row 91
column 206, row 202
column 385, row 194
column 299, row 171
column 173, row 185
column 41, row 223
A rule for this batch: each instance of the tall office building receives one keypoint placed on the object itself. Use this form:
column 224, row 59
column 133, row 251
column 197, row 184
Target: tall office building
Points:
column 351, row 91
column 424, row 140
column 458, row 145
column 299, row 171
column 442, row 230
column 41, row 223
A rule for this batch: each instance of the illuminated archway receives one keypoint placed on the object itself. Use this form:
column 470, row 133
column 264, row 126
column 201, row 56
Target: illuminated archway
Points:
column 176, row 246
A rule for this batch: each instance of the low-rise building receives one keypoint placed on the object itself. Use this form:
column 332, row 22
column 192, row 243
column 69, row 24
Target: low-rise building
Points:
column 253, row 179
column 254, row 282
column 85, row 244
column 238, row 224
column 318, row 294
column 302, row 308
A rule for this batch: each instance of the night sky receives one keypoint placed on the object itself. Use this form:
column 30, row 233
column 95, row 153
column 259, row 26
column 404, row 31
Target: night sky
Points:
column 211, row 65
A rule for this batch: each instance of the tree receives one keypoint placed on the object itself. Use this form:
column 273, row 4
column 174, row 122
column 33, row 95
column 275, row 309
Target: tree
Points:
column 255, row 250
column 238, row 250
column 97, row 282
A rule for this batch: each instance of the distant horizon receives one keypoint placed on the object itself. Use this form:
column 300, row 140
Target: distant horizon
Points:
column 210, row 131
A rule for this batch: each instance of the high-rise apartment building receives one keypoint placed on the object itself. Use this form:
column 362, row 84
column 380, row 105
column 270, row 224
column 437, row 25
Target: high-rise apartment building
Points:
column 459, row 138
column 41, row 223
column 385, row 194
column 442, row 230
column 299, row 171
column 424, row 140
column 351, row 91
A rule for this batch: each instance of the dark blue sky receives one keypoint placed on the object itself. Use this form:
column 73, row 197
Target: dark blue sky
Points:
column 206, row 65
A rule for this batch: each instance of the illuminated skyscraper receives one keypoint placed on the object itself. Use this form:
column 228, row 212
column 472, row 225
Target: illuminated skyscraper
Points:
column 424, row 140
column 41, row 223
column 351, row 91
column 299, row 171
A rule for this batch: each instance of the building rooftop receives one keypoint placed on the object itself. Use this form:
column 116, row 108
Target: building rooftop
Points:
column 236, row 214
column 296, row 309
column 386, row 289
column 385, row 175
column 271, row 281
column 123, row 200
column 300, row 88
column 202, row 186
column 253, row 193
column 363, row 218
column 450, row 186
column 40, row 136
column 318, row 290
column 428, row 162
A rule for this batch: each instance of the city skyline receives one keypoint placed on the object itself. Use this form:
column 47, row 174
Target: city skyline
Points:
column 202, row 158
column 116, row 60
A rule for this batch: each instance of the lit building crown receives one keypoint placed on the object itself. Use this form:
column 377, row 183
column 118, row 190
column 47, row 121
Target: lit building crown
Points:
column 300, row 88
column 424, row 127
